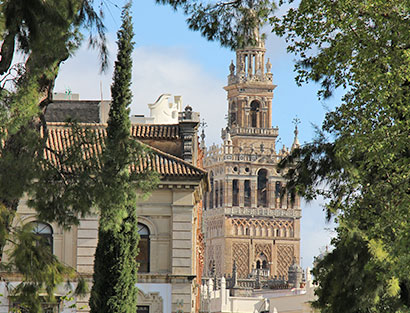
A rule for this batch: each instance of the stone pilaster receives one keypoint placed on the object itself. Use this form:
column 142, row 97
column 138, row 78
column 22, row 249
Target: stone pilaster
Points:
column 254, row 193
column 228, row 192
column 271, row 194
column 241, row 193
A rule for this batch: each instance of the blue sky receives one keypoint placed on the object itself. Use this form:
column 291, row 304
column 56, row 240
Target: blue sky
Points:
column 169, row 58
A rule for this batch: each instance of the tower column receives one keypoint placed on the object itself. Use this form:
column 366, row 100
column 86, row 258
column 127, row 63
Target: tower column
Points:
column 249, row 64
column 228, row 192
column 241, row 193
column 282, row 196
column 262, row 65
column 254, row 194
column 258, row 119
column 271, row 195
column 263, row 119
column 242, row 113
column 216, row 193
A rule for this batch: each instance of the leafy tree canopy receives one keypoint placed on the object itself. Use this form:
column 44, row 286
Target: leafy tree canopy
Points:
column 361, row 46
column 45, row 33
column 227, row 22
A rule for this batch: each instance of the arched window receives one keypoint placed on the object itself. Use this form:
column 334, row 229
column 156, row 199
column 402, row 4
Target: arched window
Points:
column 144, row 249
column 45, row 233
column 262, row 262
column 254, row 113
column 265, row 265
column 262, row 185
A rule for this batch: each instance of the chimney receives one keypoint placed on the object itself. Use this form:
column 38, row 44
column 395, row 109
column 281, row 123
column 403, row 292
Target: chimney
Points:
column 188, row 127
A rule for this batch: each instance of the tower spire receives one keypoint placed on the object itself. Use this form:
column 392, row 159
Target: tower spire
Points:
column 296, row 143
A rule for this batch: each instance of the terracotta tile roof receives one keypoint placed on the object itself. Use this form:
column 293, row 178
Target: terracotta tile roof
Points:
column 168, row 165
column 60, row 138
column 145, row 131
column 139, row 131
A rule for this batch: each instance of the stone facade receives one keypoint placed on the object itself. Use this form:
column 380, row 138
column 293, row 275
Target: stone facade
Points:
column 170, row 220
column 248, row 216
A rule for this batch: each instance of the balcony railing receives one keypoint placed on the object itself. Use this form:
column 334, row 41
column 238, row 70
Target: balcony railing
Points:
column 254, row 131
column 254, row 212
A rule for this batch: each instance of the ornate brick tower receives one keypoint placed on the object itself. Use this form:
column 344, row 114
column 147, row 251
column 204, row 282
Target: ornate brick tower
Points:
column 247, row 216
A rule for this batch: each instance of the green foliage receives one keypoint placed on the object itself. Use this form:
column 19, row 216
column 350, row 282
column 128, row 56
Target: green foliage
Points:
column 350, row 265
column 115, row 268
column 65, row 189
column 231, row 23
column 45, row 33
column 364, row 169
column 41, row 272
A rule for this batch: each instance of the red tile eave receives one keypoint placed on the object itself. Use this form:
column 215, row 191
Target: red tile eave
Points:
column 59, row 139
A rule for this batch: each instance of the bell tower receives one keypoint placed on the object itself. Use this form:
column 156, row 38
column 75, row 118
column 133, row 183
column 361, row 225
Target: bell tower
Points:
column 248, row 216
column 250, row 93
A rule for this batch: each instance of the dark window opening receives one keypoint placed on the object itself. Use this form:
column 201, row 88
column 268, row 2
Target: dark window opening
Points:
column 235, row 193
column 262, row 186
column 142, row 309
column 144, row 249
column 44, row 233
column 277, row 190
column 254, row 113
column 247, row 196
column 264, row 265
column 262, row 262
column 233, row 119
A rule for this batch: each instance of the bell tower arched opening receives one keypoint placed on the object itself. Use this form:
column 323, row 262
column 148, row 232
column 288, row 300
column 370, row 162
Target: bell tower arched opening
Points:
column 262, row 186
column 254, row 114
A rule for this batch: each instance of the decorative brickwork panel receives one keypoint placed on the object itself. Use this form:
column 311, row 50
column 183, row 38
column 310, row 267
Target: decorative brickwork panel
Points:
column 265, row 249
column 285, row 258
column 262, row 227
column 214, row 228
column 240, row 253
column 218, row 260
column 209, row 259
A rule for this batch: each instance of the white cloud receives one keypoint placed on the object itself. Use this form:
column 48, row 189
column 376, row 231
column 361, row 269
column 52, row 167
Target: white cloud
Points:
column 156, row 70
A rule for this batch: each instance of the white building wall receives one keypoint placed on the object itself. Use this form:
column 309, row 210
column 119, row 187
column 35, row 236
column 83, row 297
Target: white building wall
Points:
column 164, row 290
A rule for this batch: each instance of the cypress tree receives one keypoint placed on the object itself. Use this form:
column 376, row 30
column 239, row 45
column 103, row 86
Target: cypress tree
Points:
column 115, row 267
